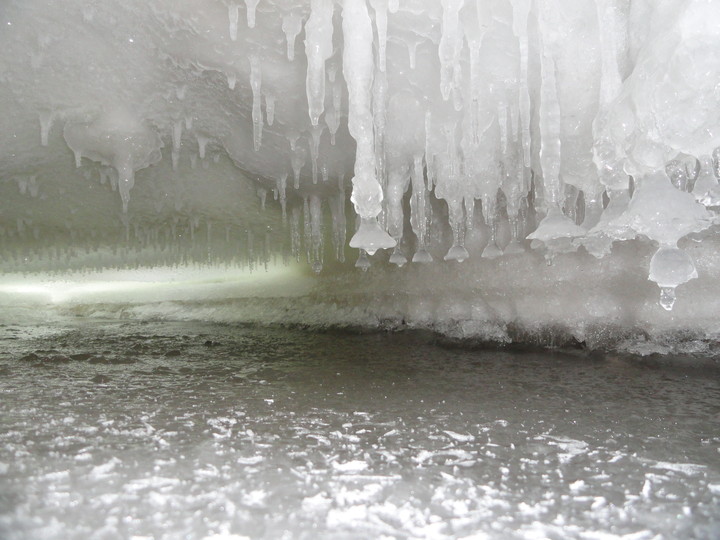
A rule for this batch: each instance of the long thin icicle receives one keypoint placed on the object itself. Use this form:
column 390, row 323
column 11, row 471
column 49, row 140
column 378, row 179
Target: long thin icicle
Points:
column 521, row 10
column 257, row 117
column 318, row 48
column 381, row 8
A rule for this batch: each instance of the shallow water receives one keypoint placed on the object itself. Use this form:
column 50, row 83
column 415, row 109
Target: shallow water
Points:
column 167, row 430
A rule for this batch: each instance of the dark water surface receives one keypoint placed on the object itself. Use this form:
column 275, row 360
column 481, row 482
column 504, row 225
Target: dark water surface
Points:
column 162, row 430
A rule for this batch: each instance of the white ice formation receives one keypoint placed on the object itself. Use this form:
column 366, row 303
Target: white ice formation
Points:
column 459, row 129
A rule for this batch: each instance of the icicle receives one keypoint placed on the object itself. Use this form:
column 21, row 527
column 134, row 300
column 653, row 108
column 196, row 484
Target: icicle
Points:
column 469, row 205
column 46, row 122
column 502, row 113
column 393, row 6
column 332, row 115
column 295, row 233
column 188, row 122
column 521, row 11
column 78, row 158
column 706, row 189
column 318, row 48
column 429, row 162
column 418, row 216
column 381, row 7
column 379, row 106
column 457, row 251
column 514, row 112
column 281, row 189
column 291, row 25
column 231, row 80
column 397, row 258
column 363, row 263
column 398, row 180
column 297, row 160
column 262, row 194
column 475, row 34
column 292, row 137
column 233, row 14
column 669, row 268
column 332, row 120
column 270, row 108
column 251, row 6
column 175, row 156
column 315, row 133
column 358, row 72
column 257, row 117
column 605, row 155
column 412, row 45
column 316, row 234
column 307, row 233
column 450, row 46
column 126, row 181
column 177, row 135
column 550, row 123
column 202, row 145
column 610, row 78
column 491, row 250
column 337, row 210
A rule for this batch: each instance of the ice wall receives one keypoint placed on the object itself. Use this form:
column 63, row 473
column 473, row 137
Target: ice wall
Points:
column 154, row 132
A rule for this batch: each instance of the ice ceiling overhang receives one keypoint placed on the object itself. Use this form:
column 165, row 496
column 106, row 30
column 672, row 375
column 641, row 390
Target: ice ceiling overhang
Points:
column 556, row 125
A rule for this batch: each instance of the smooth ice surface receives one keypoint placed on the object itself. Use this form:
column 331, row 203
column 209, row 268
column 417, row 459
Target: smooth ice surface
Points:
column 163, row 430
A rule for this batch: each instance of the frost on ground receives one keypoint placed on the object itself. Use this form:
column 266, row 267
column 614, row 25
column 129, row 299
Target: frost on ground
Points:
column 145, row 430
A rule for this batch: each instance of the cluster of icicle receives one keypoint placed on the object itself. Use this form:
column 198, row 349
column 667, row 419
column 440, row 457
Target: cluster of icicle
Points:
column 598, row 118
column 496, row 129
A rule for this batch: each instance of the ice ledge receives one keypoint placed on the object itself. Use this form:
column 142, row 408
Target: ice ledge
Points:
column 577, row 301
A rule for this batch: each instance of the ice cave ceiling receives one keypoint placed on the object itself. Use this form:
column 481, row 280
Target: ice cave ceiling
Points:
column 166, row 131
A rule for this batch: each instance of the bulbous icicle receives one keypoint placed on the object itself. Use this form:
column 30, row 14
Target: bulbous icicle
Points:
column 457, row 251
column 706, row 188
column 669, row 268
column 358, row 68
